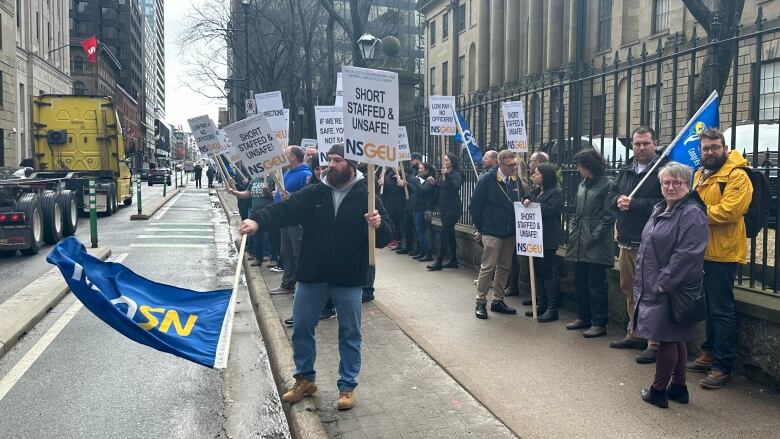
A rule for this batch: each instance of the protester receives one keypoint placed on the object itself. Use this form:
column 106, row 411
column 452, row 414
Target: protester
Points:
column 423, row 188
column 210, row 175
column 198, row 175
column 274, row 237
column 632, row 214
column 525, row 173
column 395, row 201
column 591, row 243
column 548, row 195
column 408, row 220
column 727, row 192
column 260, row 197
column 489, row 160
column 671, row 256
column 334, row 260
column 493, row 213
column 450, row 209
column 295, row 179
column 310, row 155
column 536, row 159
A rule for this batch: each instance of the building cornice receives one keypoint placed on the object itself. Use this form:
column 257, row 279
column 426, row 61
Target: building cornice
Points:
column 424, row 6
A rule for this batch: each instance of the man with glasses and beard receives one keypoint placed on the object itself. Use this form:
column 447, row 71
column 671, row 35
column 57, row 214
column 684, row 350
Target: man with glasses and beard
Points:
column 333, row 264
column 726, row 191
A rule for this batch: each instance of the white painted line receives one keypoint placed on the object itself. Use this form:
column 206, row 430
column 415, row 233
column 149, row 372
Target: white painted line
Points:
column 171, row 245
column 9, row 381
column 176, row 236
column 179, row 229
column 167, row 206
column 168, row 223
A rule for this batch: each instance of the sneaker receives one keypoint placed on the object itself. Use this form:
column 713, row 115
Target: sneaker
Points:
column 327, row 314
column 301, row 388
column 702, row 363
column 715, row 379
column 346, row 400
column 629, row 343
column 647, row 356
column 276, row 269
column 392, row 245
column 281, row 290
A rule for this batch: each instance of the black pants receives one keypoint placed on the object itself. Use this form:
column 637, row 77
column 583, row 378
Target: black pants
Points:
column 276, row 245
column 447, row 244
column 721, row 314
column 544, row 268
column 408, row 226
column 197, row 180
column 368, row 288
column 211, row 180
column 590, row 282
column 397, row 217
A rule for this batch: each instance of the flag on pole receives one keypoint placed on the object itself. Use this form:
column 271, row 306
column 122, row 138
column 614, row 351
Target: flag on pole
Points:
column 189, row 324
column 90, row 46
column 473, row 148
column 685, row 148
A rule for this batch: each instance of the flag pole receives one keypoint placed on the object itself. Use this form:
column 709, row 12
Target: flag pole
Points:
column 241, row 249
column 463, row 143
column 371, row 207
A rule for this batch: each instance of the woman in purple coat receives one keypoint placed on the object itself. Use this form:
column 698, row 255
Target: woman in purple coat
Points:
column 671, row 255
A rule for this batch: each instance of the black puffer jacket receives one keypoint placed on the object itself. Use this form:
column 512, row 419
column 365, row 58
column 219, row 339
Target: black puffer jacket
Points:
column 631, row 222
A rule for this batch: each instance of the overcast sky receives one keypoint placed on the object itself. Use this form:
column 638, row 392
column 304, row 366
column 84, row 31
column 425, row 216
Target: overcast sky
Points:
column 181, row 103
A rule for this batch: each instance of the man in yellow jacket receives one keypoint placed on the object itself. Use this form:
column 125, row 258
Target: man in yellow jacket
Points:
column 727, row 192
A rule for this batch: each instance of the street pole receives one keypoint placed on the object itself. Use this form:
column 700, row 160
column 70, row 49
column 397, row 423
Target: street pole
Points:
column 246, row 53
column 93, row 233
column 165, row 185
column 138, row 190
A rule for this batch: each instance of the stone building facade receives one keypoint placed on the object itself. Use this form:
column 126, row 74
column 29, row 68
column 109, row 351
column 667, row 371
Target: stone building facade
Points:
column 8, row 128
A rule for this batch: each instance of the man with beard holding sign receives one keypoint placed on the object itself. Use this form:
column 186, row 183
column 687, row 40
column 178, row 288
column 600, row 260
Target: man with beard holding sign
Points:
column 333, row 264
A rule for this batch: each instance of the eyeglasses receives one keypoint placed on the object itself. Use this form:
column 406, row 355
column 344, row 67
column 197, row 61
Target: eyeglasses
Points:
column 509, row 165
column 672, row 183
column 710, row 149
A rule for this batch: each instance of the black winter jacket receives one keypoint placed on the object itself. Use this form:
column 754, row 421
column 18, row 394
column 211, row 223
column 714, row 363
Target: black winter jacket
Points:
column 393, row 196
column 449, row 192
column 334, row 248
column 551, row 202
column 492, row 208
column 631, row 222
column 422, row 195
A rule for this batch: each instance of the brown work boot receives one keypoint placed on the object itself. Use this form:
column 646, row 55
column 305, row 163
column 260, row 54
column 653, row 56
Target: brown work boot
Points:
column 346, row 400
column 301, row 388
column 715, row 379
column 703, row 363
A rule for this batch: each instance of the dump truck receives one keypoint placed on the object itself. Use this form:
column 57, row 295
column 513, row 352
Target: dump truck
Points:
column 75, row 139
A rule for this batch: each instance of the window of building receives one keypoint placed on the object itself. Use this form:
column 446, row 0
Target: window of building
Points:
column 769, row 100
column 555, row 112
column 19, row 13
column 445, row 73
column 445, row 26
column 1, row 32
column 462, row 17
column 2, row 93
column 37, row 26
column 462, row 74
column 472, row 15
column 78, row 64
column 597, row 114
column 536, row 117
column 432, row 82
column 652, row 98
column 660, row 15
column 432, row 32
column 605, row 24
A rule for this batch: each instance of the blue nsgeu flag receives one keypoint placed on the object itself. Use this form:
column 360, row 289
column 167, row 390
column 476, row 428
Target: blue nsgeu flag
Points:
column 186, row 323
column 685, row 148
column 474, row 151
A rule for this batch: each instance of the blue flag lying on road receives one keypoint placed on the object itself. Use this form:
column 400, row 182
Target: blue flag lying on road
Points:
column 189, row 324
column 685, row 148
column 474, row 151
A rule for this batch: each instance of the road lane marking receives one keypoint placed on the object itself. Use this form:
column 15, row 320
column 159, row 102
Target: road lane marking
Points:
column 176, row 236
column 168, row 223
column 171, row 245
column 167, row 206
column 9, row 381
column 178, row 229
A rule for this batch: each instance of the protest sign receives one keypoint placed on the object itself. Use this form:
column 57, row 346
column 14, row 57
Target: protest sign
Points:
column 256, row 145
column 339, row 91
column 370, row 116
column 205, row 133
column 514, row 124
column 330, row 129
column 528, row 229
column 270, row 105
column 441, row 112
column 403, row 145
column 306, row 143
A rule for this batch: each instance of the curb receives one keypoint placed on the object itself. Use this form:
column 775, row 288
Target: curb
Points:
column 29, row 305
column 303, row 417
column 155, row 206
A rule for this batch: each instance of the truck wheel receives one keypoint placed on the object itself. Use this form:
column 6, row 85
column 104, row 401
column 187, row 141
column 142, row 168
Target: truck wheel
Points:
column 52, row 217
column 109, row 202
column 70, row 212
column 128, row 201
column 114, row 201
column 31, row 206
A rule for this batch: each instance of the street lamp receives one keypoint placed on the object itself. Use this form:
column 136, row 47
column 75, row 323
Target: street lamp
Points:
column 367, row 44
column 246, row 4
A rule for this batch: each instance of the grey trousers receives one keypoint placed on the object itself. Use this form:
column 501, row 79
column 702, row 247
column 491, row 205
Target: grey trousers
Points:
column 290, row 252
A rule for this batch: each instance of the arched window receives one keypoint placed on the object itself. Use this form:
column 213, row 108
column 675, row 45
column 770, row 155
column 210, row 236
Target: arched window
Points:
column 79, row 88
column 78, row 64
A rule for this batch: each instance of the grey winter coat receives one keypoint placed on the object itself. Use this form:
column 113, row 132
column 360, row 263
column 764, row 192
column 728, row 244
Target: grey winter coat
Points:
column 671, row 254
column 591, row 227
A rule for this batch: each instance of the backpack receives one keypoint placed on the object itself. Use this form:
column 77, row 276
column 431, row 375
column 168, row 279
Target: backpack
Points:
column 757, row 215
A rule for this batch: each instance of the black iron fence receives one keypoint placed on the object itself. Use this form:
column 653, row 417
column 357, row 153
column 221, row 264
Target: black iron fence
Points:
column 597, row 106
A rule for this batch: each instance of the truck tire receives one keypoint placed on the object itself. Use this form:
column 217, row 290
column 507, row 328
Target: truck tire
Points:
column 70, row 212
column 31, row 206
column 128, row 201
column 114, row 200
column 52, row 217
column 109, row 202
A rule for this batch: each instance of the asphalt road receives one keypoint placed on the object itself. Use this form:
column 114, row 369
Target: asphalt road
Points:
column 91, row 381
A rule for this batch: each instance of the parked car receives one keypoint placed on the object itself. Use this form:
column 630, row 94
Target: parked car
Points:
column 552, row 148
column 160, row 175
column 144, row 172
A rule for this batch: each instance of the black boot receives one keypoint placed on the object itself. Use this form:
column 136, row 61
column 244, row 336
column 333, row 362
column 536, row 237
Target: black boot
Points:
column 427, row 257
column 541, row 300
column 551, row 289
column 657, row 398
column 480, row 311
column 678, row 393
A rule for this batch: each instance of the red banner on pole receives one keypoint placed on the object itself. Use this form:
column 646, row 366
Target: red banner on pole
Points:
column 90, row 46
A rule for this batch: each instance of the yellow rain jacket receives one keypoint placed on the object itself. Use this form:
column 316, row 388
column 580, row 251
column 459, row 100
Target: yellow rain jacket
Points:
column 727, row 241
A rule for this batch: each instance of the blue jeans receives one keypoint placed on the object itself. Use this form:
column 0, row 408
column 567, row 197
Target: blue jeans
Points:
column 308, row 303
column 721, row 314
column 421, row 225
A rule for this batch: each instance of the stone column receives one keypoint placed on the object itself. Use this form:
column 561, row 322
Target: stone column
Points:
column 497, row 43
column 512, row 41
column 554, row 34
column 535, row 25
column 521, row 57
column 483, row 46
column 572, row 31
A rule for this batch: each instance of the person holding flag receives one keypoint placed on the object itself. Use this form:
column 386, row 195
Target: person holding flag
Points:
column 333, row 264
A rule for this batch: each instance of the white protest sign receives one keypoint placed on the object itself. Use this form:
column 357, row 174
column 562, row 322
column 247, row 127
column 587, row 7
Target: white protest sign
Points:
column 441, row 111
column 403, row 145
column 514, row 124
column 330, row 129
column 285, row 140
column 370, row 116
column 528, row 230
column 306, row 143
column 256, row 145
column 270, row 105
column 205, row 133
column 228, row 150
column 339, row 91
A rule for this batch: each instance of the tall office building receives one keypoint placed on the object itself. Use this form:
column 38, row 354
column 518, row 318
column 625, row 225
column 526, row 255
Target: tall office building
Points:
column 154, row 13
